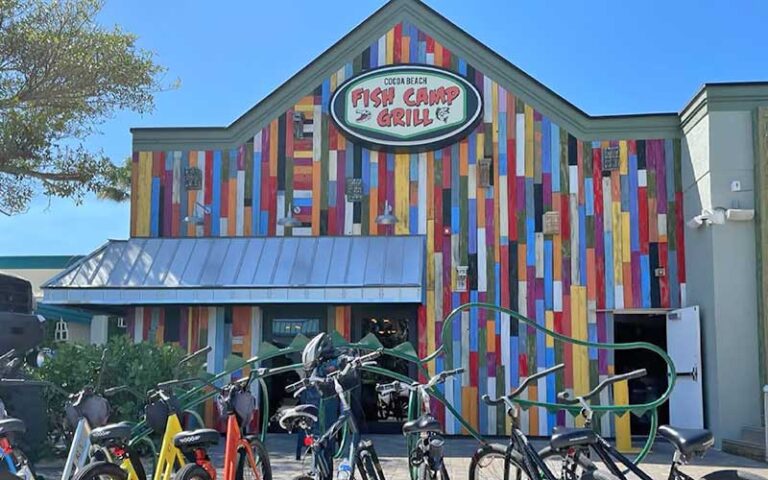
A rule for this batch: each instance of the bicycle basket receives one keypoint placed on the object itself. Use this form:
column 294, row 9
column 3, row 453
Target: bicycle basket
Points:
column 242, row 402
column 157, row 413
column 93, row 408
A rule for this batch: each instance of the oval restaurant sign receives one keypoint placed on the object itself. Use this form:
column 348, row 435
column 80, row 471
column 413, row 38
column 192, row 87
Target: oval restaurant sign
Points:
column 406, row 106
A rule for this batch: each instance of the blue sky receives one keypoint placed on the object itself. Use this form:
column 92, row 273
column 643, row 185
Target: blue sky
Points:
column 605, row 56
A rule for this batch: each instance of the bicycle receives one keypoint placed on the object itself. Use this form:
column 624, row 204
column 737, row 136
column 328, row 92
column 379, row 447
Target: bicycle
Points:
column 497, row 461
column 570, row 448
column 241, row 451
column 362, row 454
column 426, row 454
column 117, row 459
column 14, row 463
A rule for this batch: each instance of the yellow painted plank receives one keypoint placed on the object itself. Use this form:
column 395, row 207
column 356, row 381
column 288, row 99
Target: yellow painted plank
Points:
column 390, row 46
column 528, row 141
column 402, row 191
column 626, row 249
column 623, row 429
column 623, row 152
column 144, row 194
column 618, row 251
column 579, row 332
column 549, row 318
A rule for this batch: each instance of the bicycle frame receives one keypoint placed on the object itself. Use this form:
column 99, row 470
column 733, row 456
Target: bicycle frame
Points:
column 235, row 441
column 608, row 455
column 6, row 453
column 169, row 455
column 79, row 450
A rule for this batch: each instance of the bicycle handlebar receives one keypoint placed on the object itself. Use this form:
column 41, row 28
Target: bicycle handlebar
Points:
column 516, row 392
column 352, row 363
column 397, row 385
column 194, row 355
column 565, row 399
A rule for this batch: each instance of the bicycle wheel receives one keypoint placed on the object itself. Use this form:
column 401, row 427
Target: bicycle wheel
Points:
column 302, row 477
column 488, row 464
column 101, row 471
column 555, row 461
column 262, row 470
column 192, row 471
column 732, row 475
column 443, row 475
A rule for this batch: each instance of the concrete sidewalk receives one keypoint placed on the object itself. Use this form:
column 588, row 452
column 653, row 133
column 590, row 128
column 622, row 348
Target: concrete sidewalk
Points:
column 391, row 451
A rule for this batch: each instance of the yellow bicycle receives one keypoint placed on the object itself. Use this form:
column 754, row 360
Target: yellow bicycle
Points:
column 120, row 460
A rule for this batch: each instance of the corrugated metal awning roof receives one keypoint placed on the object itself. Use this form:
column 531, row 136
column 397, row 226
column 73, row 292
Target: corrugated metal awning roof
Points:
column 245, row 270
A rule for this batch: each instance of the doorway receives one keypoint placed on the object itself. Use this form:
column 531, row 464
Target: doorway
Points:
column 651, row 328
column 392, row 325
column 281, row 325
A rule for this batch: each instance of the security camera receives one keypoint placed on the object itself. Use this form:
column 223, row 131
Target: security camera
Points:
column 695, row 222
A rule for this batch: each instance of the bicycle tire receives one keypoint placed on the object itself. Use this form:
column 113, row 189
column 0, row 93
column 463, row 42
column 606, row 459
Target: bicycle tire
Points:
column 495, row 453
column 548, row 453
column 732, row 475
column 261, row 456
column 192, row 471
column 101, row 470
column 302, row 477
column 444, row 472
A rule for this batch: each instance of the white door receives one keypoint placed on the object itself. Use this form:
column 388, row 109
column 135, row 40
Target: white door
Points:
column 686, row 409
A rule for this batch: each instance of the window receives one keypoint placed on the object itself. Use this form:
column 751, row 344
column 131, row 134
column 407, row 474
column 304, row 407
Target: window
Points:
column 61, row 332
column 289, row 327
column 171, row 330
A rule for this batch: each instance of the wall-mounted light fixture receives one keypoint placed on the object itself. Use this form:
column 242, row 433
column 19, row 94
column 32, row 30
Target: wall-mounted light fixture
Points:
column 289, row 220
column 196, row 219
column 386, row 218
column 719, row 215
column 298, row 125
column 484, row 172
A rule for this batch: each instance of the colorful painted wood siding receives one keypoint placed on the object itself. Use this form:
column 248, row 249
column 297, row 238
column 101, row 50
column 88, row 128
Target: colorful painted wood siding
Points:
column 617, row 228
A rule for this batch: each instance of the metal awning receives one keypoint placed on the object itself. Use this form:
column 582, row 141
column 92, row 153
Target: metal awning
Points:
column 143, row 271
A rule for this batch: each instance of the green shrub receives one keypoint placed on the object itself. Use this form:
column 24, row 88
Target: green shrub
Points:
column 140, row 366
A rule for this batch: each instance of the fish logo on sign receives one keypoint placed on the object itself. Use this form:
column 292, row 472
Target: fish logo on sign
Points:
column 406, row 107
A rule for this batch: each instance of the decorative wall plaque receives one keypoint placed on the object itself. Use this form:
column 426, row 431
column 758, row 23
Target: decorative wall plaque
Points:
column 611, row 158
column 551, row 223
column 193, row 178
column 354, row 189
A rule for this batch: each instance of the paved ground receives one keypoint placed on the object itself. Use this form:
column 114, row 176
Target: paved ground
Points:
column 391, row 450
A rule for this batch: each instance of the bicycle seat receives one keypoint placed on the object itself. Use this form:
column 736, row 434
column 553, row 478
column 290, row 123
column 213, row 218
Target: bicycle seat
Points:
column 196, row 438
column 11, row 425
column 112, row 433
column 423, row 424
column 291, row 418
column 563, row 438
column 690, row 441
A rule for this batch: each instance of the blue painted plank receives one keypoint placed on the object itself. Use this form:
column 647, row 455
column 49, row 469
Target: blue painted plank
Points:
column 548, row 274
column 645, row 280
column 154, row 213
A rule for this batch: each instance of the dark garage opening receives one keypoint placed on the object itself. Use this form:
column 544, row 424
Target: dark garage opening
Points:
column 651, row 328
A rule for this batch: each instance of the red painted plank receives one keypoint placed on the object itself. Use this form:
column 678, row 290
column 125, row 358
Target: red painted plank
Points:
column 642, row 220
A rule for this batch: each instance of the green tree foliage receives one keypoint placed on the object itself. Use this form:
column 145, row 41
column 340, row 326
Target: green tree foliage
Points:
column 61, row 75
column 140, row 366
